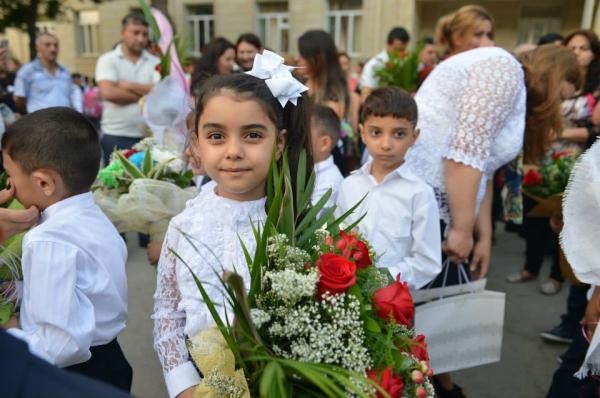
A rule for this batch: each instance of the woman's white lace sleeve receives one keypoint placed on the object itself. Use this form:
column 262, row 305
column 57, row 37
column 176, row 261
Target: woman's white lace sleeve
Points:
column 169, row 323
column 486, row 100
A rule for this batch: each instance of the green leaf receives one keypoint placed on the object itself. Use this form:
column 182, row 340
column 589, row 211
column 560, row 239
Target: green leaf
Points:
column 154, row 30
column 147, row 165
column 272, row 381
column 7, row 310
column 130, row 168
column 300, row 181
column 333, row 228
column 372, row 325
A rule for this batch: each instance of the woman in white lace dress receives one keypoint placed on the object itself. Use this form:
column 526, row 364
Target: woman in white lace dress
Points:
column 475, row 111
column 235, row 148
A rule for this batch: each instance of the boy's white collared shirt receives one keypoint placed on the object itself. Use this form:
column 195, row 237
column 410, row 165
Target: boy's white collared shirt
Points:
column 402, row 221
column 327, row 176
column 74, row 282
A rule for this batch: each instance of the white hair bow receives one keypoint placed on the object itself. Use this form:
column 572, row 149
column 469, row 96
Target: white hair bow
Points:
column 269, row 67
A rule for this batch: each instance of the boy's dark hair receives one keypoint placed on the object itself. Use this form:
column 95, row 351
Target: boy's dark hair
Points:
column 249, row 38
column 292, row 118
column 326, row 122
column 398, row 33
column 390, row 101
column 550, row 38
column 426, row 40
column 135, row 18
column 60, row 139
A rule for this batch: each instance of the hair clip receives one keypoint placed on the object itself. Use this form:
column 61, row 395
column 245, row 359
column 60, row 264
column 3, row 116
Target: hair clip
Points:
column 278, row 77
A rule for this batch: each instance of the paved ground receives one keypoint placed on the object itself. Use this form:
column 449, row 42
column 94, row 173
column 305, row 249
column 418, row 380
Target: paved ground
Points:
column 524, row 372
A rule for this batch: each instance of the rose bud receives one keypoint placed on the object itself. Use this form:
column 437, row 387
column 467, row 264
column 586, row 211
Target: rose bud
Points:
column 329, row 240
column 421, row 392
column 341, row 244
column 417, row 376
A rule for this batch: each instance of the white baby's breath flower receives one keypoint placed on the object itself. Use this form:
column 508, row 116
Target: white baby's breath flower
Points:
column 259, row 317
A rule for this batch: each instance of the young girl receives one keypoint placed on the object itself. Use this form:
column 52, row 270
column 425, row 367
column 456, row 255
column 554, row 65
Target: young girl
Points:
column 239, row 124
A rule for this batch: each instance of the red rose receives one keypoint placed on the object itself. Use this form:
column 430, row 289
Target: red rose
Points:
column 395, row 301
column 129, row 152
column 533, row 177
column 337, row 274
column 560, row 155
column 419, row 349
column 358, row 250
column 392, row 384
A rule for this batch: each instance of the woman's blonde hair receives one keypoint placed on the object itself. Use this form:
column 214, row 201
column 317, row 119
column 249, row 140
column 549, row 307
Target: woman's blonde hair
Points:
column 545, row 68
column 461, row 21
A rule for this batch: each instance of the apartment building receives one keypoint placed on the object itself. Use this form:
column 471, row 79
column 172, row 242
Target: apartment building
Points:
column 359, row 27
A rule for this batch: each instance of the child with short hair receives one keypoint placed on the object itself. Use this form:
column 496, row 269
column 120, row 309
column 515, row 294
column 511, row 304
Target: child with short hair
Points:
column 74, row 285
column 325, row 133
column 402, row 219
column 240, row 125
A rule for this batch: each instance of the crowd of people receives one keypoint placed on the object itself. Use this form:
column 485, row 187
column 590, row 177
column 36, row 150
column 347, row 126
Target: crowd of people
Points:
column 431, row 166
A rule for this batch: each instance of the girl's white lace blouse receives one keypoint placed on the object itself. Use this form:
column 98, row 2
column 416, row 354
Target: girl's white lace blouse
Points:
column 472, row 111
column 215, row 225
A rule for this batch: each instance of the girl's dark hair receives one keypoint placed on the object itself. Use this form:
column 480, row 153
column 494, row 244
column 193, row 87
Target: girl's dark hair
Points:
column 293, row 118
column 249, row 38
column 592, row 77
column 207, row 65
column 319, row 51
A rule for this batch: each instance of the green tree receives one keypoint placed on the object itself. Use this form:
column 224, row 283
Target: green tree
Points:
column 23, row 15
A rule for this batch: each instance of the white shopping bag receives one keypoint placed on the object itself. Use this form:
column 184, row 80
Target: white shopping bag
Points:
column 462, row 331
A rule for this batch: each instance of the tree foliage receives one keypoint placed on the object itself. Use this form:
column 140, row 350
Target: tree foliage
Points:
column 23, row 15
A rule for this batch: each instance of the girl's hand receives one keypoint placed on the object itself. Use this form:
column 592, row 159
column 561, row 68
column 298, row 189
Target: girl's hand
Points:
column 458, row 245
column 187, row 393
column 153, row 251
column 480, row 261
column 556, row 223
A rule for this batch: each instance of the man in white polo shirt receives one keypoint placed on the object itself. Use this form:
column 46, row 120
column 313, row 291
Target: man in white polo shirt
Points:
column 124, row 75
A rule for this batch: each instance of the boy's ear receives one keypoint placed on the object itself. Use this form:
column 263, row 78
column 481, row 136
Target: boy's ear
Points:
column 326, row 143
column 46, row 181
column 280, row 143
column 416, row 133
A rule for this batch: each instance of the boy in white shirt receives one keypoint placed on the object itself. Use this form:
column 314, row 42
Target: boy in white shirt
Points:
column 325, row 132
column 402, row 219
column 74, row 301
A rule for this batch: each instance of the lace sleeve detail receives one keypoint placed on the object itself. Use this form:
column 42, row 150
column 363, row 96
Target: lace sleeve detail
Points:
column 486, row 100
column 169, row 323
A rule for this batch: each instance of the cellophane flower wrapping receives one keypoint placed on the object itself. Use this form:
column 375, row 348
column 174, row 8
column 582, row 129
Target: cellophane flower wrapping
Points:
column 143, row 188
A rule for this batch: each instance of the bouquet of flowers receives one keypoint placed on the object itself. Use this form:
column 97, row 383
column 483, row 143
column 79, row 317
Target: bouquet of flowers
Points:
column 401, row 70
column 547, row 183
column 10, row 264
column 144, row 187
column 319, row 319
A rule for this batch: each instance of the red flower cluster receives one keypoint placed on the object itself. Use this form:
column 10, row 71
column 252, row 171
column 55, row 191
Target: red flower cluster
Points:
column 533, row 177
column 561, row 154
column 419, row 350
column 354, row 248
column 392, row 384
column 129, row 152
column 395, row 302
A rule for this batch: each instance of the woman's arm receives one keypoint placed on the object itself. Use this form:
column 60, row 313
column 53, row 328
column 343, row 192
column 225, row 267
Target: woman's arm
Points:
column 462, row 183
column 483, row 235
column 576, row 134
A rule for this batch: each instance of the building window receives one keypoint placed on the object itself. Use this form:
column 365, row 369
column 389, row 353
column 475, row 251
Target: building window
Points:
column 87, row 32
column 45, row 27
column 345, row 23
column 531, row 29
column 201, row 25
column 273, row 25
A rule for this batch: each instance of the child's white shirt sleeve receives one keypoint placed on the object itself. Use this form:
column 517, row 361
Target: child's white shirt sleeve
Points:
column 169, row 325
column 57, row 321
